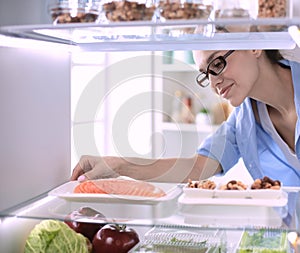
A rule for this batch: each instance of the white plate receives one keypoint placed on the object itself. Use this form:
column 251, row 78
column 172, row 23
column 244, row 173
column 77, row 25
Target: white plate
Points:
column 65, row 191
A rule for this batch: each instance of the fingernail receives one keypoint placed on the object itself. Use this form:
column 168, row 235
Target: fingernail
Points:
column 81, row 178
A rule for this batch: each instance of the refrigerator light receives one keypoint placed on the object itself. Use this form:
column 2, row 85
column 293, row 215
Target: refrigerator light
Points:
column 295, row 34
column 6, row 41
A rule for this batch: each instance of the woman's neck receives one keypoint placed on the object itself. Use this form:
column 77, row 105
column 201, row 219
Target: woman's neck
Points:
column 275, row 88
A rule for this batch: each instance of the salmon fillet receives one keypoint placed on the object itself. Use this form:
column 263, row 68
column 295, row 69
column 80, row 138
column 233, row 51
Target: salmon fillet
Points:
column 120, row 187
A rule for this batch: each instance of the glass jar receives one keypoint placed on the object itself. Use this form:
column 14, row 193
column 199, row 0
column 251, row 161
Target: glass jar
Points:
column 79, row 11
column 182, row 9
column 128, row 10
column 235, row 9
column 275, row 8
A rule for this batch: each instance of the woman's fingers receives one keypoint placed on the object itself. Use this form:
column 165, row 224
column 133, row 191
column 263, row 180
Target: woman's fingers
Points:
column 77, row 171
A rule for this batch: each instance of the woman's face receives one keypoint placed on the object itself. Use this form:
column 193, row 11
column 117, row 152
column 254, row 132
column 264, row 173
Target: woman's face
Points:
column 238, row 78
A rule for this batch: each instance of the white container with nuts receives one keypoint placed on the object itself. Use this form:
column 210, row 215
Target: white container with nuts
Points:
column 264, row 188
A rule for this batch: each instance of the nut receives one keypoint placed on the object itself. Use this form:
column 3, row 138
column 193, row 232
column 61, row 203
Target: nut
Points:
column 266, row 183
column 234, row 185
column 272, row 8
column 204, row 184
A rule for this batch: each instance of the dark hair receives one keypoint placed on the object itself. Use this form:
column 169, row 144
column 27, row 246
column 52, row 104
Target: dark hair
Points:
column 274, row 55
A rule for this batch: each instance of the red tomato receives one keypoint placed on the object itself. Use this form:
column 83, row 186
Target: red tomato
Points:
column 113, row 238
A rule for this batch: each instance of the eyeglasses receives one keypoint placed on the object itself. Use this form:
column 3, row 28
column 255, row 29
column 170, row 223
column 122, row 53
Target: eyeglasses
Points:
column 215, row 68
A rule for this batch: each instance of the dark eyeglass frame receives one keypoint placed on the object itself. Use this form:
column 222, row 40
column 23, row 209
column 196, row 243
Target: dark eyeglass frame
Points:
column 202, row 78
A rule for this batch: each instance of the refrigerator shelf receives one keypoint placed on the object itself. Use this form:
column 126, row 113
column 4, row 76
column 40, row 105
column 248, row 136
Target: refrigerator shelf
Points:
column 169, row 35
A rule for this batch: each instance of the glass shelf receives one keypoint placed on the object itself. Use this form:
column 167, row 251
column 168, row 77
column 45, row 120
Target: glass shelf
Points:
column 160, row 36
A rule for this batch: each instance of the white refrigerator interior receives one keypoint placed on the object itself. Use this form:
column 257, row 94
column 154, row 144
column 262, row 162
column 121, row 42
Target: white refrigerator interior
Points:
column 35, row 122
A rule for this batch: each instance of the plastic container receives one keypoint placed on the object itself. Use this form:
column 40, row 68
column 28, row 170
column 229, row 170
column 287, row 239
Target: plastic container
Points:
column 81, row 11
column 160, row 239
column 128, row 10
column 231, row 215
column 176, row 9
column 264, row 240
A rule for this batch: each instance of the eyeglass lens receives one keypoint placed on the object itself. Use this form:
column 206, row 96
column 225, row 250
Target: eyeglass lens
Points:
column 215, row 67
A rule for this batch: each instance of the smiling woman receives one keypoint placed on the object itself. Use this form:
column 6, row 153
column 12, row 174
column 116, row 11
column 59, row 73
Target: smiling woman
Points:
column 264, row 89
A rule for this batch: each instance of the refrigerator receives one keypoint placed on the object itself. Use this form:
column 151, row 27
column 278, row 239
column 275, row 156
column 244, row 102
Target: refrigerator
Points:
column 38, row 123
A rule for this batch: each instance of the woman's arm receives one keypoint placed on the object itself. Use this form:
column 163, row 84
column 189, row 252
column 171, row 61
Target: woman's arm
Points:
column 159, row 170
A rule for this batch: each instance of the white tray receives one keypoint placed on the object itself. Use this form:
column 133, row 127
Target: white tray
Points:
column 235, row 201
column 232, row 211
column 65, row 191
column 248, row 193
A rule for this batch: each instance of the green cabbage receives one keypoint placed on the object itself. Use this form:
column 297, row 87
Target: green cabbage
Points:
column 53, row 236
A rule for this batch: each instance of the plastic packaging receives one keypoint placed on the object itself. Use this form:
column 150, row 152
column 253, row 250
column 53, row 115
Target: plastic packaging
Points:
column 264, row 240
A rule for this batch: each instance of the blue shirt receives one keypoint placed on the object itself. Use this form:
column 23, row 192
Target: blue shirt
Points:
column 242, row 137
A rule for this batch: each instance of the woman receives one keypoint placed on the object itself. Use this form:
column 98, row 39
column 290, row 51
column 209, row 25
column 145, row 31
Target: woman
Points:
column 263, row 128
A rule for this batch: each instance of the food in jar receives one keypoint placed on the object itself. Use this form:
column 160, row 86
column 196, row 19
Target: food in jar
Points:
column 266, row 183
column 174, row 9
column 234, row 185
column 62, row 16
column 203, row 184
column 65, row 12
column 120, row 187
column 128, row 11
column 55, row 236
column 272, row 8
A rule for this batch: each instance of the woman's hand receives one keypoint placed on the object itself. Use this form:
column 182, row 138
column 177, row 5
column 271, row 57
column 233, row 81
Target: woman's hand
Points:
column 93, row 167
